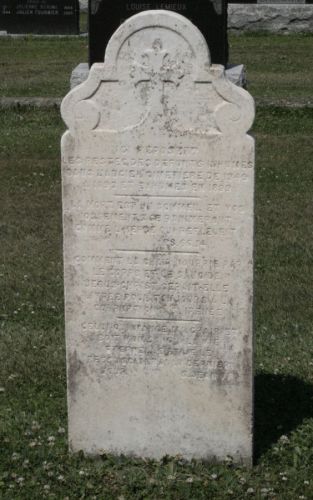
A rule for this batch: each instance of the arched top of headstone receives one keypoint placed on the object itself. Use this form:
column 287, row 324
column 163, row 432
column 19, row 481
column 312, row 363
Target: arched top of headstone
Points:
column 165, row 22
column 157, row 70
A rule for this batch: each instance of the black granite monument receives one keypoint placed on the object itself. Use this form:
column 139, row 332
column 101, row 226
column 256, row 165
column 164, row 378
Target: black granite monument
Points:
column 210, row 16
column 50, row 17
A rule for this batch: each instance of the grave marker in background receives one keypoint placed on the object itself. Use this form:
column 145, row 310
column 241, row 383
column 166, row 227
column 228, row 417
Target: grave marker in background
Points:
column 50, row 17
column 158, row 183
column 210, row 16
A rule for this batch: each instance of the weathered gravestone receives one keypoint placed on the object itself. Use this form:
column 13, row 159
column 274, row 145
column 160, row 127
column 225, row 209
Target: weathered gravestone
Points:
column 53, row 17
column 158, row 236
column 210, row 16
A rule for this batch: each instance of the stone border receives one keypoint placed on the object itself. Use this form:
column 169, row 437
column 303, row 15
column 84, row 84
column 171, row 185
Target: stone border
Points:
column 31, row 102
column 55, row 102
column 282, row 18
column 4, row 34
column 83, row 5
column 283, row 103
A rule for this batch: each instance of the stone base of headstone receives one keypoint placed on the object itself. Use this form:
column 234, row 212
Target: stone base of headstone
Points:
column 16, row 36
column 83, row 5
column 282, row 18
column 79, row 74
column 236, row 73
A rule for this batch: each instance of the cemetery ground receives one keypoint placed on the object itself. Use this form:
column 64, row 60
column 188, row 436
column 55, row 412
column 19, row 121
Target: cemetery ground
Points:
column 279, row 67
column 34, row 461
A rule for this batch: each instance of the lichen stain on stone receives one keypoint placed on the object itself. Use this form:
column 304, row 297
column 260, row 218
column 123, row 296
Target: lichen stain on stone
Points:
column 220, row 373
column 70, row 275
column 247, row 366
column 75, row 369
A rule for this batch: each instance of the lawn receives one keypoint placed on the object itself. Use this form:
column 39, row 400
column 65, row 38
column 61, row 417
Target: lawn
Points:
column 34, row 461
column 279, row 67
column 39, row 66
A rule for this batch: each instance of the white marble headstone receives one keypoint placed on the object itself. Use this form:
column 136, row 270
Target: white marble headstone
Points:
column 158, row 182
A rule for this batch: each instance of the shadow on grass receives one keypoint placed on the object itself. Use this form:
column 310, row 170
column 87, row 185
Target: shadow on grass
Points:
column 281, row 404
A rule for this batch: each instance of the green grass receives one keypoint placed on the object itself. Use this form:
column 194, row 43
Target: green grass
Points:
column 34, row 462
column 279, row 67
column 39, row 67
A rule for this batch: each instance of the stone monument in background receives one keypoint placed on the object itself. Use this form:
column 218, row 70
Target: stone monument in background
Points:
column 210, row 16
column 50, row 17
column 158, row 184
